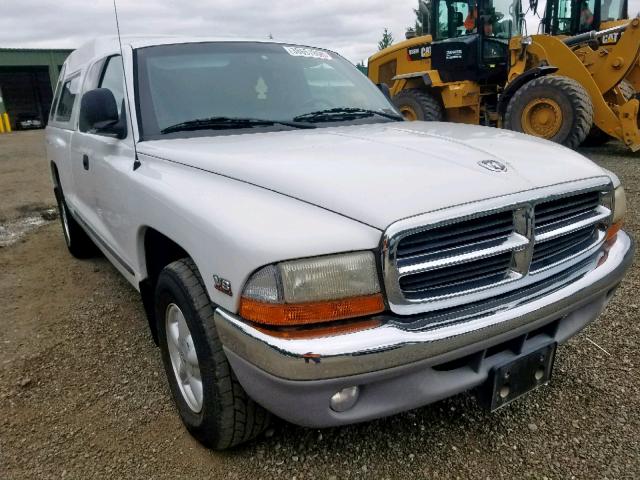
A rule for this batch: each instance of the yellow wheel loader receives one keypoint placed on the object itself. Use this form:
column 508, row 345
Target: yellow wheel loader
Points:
column 477, row 67
column 572, row 17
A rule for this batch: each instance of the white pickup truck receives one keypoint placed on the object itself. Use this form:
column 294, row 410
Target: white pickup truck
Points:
column 302, row 250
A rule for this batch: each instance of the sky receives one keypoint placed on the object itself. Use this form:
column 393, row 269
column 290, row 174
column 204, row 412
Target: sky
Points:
column 350, row 27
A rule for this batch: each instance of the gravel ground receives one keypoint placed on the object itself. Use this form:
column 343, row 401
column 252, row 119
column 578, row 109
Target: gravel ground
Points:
column 83, row 394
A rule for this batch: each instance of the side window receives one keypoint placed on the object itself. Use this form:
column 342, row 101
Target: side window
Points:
column 112, row 78
column 586, row 16
column 67, row 100
column 56, row 95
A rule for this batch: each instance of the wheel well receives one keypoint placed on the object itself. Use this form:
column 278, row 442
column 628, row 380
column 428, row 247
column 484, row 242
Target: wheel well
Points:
column 159, row 251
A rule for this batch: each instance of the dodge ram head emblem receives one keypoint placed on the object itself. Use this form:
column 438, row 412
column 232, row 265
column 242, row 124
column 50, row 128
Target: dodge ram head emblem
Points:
column 493, row 165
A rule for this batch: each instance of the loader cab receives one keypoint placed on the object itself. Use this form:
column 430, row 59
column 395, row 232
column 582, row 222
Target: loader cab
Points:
column 471, row 38
column 572, row 17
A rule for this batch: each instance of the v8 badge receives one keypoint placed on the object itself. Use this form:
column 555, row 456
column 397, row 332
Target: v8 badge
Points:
column 222, row 285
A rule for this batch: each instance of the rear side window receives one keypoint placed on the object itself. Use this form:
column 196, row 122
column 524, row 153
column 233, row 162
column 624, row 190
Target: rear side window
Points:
column 67, row 99
column 56, row 96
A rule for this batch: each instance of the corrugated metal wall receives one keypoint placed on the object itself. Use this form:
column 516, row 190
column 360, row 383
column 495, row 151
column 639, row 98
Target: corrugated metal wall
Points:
column 27, row 80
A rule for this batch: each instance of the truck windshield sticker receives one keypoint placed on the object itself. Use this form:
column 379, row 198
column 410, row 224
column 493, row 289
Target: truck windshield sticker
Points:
column 261, row 89
column 307, row 52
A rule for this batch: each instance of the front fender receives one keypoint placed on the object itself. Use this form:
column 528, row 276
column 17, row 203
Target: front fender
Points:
column 231, row 228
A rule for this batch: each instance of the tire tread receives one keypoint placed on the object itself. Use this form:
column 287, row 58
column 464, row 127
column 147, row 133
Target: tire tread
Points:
column 237, row 421
column 578, row 97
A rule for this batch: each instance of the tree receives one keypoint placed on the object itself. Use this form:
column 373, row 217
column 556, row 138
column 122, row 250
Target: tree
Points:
column 362, row 67
column 387, row 40
column 422, row 16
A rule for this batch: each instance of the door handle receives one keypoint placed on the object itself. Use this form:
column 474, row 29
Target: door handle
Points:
column 85, row 162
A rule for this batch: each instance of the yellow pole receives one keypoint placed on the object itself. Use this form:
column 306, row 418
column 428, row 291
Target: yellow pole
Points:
column 1, row 127
column 7, row 125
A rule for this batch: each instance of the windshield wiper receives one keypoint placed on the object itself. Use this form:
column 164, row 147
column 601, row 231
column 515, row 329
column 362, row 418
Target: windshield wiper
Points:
column 344, row 113
column 222, row 123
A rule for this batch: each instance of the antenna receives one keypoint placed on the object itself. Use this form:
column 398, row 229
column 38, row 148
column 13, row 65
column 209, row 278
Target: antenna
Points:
column 136, row 163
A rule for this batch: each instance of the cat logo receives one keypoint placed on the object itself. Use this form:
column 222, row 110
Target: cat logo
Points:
column 419, row 52
column 610, row 39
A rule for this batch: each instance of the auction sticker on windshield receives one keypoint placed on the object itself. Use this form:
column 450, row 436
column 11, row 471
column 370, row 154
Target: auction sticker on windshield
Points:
column 308, row 52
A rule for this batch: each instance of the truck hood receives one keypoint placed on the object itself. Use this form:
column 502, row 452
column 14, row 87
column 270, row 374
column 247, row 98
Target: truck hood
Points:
column 380, row 173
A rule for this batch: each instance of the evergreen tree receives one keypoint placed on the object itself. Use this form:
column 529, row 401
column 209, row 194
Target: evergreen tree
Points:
column 387, row 40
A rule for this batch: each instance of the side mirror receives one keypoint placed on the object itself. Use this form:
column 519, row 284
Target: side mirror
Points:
column 384, row 88
column 99, row 114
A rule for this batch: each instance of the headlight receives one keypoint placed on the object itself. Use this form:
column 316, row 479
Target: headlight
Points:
column 619, row 205
column 314, row 290
column 619, row 212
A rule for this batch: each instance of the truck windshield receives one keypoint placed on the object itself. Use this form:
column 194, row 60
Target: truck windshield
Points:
column 232, row 85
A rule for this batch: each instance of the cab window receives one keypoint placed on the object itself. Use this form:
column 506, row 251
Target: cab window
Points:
column 56, row 95
column 612, row 10
column 113, row 79
column 455, row 19
column 586, row 18
column 67, row 100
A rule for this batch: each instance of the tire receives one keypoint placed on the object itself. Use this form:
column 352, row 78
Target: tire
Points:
column 223, row 415
column 597, row 137
column 415, row 104
column 560, row 100
column 78, row 242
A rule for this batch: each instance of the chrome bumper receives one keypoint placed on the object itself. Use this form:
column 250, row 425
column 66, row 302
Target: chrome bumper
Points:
column 393, row 344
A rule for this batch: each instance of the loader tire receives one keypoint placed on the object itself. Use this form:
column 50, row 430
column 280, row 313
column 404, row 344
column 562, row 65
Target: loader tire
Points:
column 415, row 104
column 553, row 107
column 597, row 137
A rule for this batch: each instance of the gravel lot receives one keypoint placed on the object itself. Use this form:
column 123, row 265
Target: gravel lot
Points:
column 83, row 394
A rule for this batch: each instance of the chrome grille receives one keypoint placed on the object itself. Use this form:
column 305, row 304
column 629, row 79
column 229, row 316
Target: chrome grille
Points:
column 463, row 276
column 465, row 254
column 455, row 238
column 560, row 248
column 566, row 226
column 565, row 211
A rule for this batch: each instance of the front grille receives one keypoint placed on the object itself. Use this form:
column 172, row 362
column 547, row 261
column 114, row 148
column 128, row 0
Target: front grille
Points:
column 468, row 254
column 564, row 227
column 558, row 249
column 464, row 276
column 565, row 211
column 475, row 233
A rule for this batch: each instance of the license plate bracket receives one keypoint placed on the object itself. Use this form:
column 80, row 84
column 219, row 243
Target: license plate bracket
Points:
column 511, row 380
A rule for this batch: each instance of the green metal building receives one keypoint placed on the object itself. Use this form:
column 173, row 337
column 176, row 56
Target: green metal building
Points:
column 27, row 81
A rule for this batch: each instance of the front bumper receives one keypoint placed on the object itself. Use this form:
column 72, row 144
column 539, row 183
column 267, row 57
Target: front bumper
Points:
column 399, row 367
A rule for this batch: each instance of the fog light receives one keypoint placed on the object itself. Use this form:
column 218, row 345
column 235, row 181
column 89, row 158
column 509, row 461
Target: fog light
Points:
column 345, row 399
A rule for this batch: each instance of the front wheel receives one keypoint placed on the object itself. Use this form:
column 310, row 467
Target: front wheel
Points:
column 212, row 404
column 552, row 107
column 415, row 104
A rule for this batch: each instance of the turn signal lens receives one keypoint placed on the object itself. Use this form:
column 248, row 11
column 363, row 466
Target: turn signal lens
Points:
column 613, row 230
column 286, row 314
